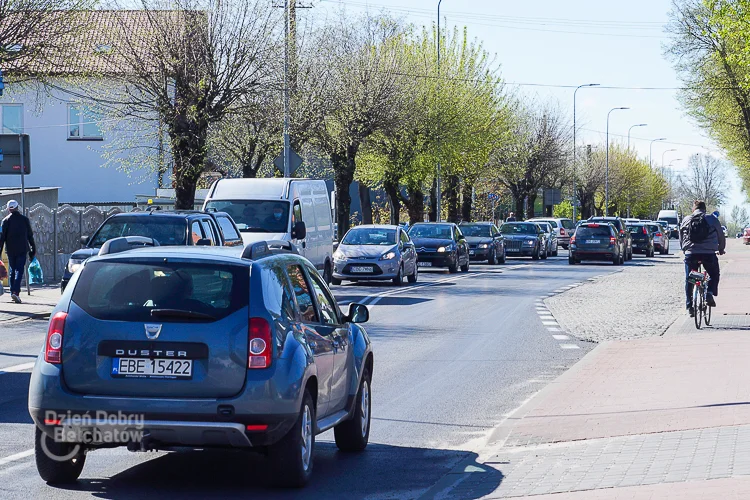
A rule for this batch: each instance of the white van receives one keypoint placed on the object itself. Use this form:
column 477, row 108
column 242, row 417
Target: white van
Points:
column 673, row 219
column 296, row 210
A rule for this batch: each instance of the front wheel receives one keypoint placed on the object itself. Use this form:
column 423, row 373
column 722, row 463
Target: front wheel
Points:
column 399, row 279
column 328, row 273
column 57, row 463
column 492, row 259
column 354, row 434
column 335, row 281
column 413, row 277
column 453, row 268
column 502, row 259
column 292, row 457
column 535, row 255
column 465, row 267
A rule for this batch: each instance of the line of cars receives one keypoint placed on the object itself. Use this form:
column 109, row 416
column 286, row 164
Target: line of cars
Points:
column 614, row 239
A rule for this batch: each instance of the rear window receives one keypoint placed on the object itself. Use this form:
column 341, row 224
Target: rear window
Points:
column 166, row 230
column 587, row 232
column 129, row 291
column 227, row 228
column 568, row 224
column 635, row 229
column 551, row 222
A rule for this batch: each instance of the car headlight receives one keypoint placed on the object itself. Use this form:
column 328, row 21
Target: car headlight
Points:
column 74, row 265
column 483, row 245
column 388, row 256
column 337, row 255
column 530, row 243
column 445, row 249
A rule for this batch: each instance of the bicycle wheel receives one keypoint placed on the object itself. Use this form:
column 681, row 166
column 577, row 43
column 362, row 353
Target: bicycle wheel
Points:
column 697, row 305
column 707, row 319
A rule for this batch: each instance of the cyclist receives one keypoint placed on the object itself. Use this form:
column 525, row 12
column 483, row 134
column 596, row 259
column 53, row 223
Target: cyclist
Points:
column 701, row 236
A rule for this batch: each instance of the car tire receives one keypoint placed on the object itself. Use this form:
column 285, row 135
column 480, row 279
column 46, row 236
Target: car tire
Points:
column 292, row 456
column 630, row 254
column 415, row 275
column 453, row 268
column 504, row 257
column 554, row 254
column 492, row 260
column 544, row 255
column 571, row 260
column 328, row 273
column 57, row 471
column 465, row 268
column 399, row 279
column 335, row 281
column 353, row 435
column 535, row 254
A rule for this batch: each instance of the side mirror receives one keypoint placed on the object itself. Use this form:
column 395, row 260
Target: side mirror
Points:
column 299, row 231
column 203, row 242
column 84, row 241
column 358, row 313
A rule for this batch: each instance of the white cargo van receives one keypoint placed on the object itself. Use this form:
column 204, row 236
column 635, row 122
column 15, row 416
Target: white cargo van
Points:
column 295, row 210
column 673, row 219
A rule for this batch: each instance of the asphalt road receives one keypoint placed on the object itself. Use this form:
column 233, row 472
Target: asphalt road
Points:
column 454, row 355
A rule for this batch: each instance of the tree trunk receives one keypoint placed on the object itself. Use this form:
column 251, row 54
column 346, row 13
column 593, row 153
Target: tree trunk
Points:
column 519, row 206
column 451, row 197
column 467, row 201
column 415, row 205
column 530, row 206
column 343, row 163
column 366, row 203
column 394, row 201
column 433, row 201
column 184, row 192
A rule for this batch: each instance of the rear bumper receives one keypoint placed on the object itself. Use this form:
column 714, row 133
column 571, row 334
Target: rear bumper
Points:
column 596, row 255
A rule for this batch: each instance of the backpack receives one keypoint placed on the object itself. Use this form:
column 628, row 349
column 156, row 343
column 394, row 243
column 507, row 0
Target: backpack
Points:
column 697, row 229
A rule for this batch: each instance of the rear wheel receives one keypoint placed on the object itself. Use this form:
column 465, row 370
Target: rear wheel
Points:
column 292, row 457
column 465, row 268
column 57, row 463
column 353, row 434
column 335, row 281
column 328, row 273
column 571, row 260
column 697, row 306
column 554, row 254
column 617, row 259
column 707, row 319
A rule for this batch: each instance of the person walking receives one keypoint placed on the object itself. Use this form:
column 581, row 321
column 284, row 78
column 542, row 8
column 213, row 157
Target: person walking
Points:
column 18, row 239
column 511, row 217
column 701, row 236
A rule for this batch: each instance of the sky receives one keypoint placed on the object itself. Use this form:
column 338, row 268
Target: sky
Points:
column 551, row 46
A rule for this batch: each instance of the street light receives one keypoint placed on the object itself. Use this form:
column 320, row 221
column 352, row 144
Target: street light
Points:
column 574, row 143
column 631, row 128
column 650, row 148
column 438, row 197
column 665, row 152
column 606, row 172
column 676, row 159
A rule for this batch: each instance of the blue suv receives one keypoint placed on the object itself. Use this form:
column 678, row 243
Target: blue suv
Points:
column 161, row 347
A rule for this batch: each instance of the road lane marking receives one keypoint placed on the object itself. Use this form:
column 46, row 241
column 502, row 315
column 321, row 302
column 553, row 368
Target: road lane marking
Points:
column 549, row 323
column 554, row 329
column 16, row 457
column 561, row 337
column 17, row 368
column 374, row 299
column 569, row 346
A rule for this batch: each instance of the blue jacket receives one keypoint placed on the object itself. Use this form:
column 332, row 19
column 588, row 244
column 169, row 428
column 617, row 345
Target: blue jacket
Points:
column 715, row 242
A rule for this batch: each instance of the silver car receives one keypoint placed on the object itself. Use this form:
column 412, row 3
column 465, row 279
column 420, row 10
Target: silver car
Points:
column 661, row 237
column 375, row 252
column 564, row 228
column 551, row 237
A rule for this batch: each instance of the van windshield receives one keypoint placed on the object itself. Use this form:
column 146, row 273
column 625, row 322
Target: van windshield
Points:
column 255, row 216
column 671, row 220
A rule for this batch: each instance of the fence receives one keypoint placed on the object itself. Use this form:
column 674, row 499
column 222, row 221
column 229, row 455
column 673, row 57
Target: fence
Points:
column 57, row 233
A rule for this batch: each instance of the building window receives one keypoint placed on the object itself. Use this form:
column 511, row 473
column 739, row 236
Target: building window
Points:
column 82, row 124
column 11, row 118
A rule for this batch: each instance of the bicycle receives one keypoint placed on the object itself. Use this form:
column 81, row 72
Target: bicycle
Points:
column 699, row 278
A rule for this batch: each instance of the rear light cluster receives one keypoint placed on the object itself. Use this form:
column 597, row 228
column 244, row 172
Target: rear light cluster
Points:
column 562, row 231
column 644, row 230
column 657, row 234
column 259, row 344
column 573, row 239
column 612, row 240
column 53, row 346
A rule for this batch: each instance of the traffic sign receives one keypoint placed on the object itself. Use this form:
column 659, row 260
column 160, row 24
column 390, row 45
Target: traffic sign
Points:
column 295, row 161
column 10, row 154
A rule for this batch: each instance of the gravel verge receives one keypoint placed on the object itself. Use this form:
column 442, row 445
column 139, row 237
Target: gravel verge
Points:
column 642, row 300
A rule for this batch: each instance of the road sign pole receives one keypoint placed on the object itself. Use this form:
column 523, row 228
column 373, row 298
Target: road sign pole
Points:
column 23, row 204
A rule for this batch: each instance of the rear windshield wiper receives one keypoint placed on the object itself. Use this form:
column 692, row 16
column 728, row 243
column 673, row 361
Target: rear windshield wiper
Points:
column 180, row 313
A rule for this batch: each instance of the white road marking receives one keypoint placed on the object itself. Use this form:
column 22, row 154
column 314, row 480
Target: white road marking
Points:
column 561, row 337
column 17, row 456
column 17, row 368
column 374, row 299
column 569, row 346
column 554, row 329
column 549, row 323
column 547, row 317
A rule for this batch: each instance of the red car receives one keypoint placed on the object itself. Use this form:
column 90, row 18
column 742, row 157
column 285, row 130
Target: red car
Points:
column 746, row 236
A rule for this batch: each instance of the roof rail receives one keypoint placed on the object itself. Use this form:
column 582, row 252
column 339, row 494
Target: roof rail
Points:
column 261, row 249
column 125, row 243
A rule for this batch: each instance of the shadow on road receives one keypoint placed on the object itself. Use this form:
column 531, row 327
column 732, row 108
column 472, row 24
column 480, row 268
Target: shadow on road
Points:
column 379, row 472
column 14, row 390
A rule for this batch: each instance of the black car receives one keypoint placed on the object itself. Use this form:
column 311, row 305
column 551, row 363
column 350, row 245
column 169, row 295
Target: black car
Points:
column 622, row 231
column 485, row 241
column 169, row 228
column 596, row 241
column 643, row 239
column 524, row 239
column 440, row 244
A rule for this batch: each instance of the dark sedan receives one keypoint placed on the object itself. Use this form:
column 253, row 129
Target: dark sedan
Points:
column 440, row 244
column 485, row 241
column 643, row 239
column 596, row 241
column 524, row 239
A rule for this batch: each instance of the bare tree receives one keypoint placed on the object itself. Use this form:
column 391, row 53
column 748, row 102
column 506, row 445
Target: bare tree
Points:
column 705, row 180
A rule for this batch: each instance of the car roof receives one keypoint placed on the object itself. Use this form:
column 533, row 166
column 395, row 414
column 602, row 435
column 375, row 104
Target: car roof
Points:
column 477, row 223
column 161, row 213
column 520, row 222
column 376, row 226
column 202, row 253
column 432, row 223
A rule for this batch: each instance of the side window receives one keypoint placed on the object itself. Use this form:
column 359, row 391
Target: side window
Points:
column 208, row 231
column 457, row 233
column 277, row 294
column 301, row 288
column 296, row 212
column 196, row 232
column 230, row 234
column 325, row 301
column 404, row 237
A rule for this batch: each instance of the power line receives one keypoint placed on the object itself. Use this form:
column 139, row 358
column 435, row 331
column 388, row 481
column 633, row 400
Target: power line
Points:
column 644, row 138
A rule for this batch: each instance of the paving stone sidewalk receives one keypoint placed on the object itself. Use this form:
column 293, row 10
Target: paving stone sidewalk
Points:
column 38, row 305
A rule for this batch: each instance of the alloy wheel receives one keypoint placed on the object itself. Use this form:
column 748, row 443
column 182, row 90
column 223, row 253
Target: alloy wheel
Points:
column 306, row 441
column 365, row 407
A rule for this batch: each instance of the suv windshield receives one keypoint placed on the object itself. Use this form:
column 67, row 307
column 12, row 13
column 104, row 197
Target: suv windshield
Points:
column 588, row 231
column 370, row 236
column 518, row 228
column 476, row 230
column 166, row 230
column 255, row 216
column 131, row 291
column 431, row 231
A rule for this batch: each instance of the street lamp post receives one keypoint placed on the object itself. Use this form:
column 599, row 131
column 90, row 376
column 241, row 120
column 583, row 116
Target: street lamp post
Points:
column 664, row 153
column 631, row 128
column 438, row 197
column 606, row 170
column 575, row 201
column 650, row 149
column 672, row 161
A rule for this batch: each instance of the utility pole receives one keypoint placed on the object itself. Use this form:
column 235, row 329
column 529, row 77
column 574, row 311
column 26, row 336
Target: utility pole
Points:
column 438, row 195
column 287, row 168
column 575, row 201
column 606, row 171
column 651, row 149
column 631, row 128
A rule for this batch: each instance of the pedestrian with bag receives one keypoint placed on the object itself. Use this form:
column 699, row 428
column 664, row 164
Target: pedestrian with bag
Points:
column 701, row 236
column 18, row 239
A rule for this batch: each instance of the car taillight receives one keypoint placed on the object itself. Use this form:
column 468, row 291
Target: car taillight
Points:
column 562, row 232
column 612, row 240
column 644, row 230
column 657, row 234
column 573, row 239
column 53, row 347
column 259, row 343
